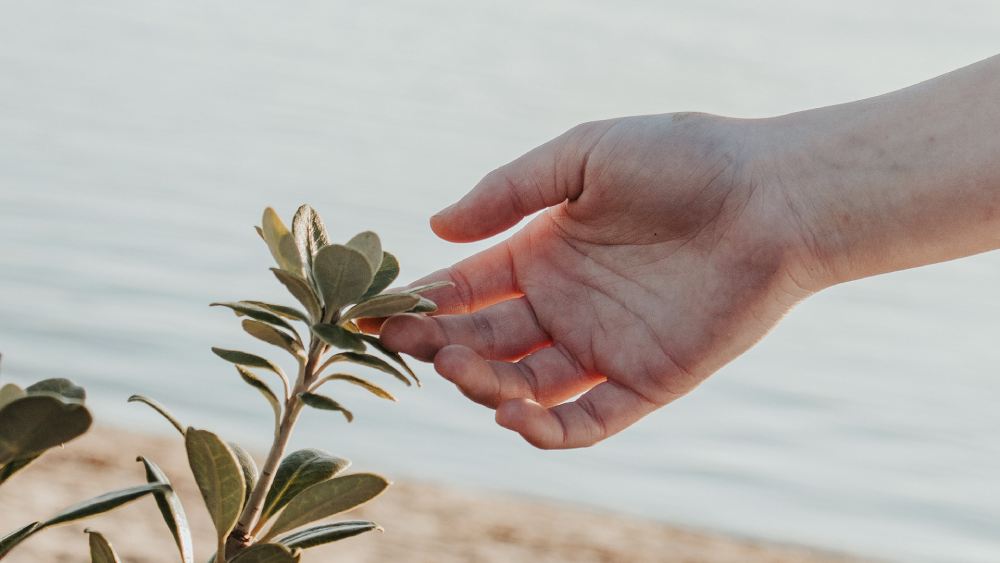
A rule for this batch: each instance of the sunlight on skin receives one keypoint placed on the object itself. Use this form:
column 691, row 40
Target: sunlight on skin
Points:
column 671, row 244
column 627, row 289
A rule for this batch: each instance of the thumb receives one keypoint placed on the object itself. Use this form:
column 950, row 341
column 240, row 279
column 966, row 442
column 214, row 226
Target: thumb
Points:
column 543, row 177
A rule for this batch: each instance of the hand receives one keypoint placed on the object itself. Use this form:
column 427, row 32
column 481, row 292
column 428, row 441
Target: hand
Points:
column 662, row 254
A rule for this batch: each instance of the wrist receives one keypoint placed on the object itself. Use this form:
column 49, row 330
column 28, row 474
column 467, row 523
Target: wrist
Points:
column 901, row 180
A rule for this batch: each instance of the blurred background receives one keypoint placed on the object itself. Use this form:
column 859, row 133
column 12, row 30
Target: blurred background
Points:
column 139, row 142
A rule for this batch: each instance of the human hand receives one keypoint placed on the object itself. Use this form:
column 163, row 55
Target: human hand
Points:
column 663, row 253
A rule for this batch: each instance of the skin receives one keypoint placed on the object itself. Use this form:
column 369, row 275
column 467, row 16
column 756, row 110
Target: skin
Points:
column 668, row 245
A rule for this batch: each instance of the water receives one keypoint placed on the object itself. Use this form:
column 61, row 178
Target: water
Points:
column 138, row 142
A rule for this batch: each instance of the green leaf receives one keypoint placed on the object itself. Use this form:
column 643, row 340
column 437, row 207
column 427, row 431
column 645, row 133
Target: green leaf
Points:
column 387, row 272
column 376, row 343
column 309, row 233
column 428, row 287
column 219, row 476
column 326, row 499
column 425, row 305
column 325, row 403
column 255, row 311
column 298, row 471
column 280, row 242
column 366, row 360
column 250, row 360
column 258, row 384
column 342, row 275
column 267, row 333
column 62, row 387
column 34, row 423
column 302, row 291
column 327, row 533
column 267, row 553
column 370, row 387
column 368, row 244
column 290, row 313
column 11, row 540
column 172, row 510
column 301, row 227
column 7, row 471
column 104, row 503
column 339, row 337
column 249, row 469
column 9, row 392
column 156, row 406
column 100, row 549
column 383, row 305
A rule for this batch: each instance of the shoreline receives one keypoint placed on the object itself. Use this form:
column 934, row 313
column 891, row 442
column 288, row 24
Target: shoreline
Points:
column 424, row 522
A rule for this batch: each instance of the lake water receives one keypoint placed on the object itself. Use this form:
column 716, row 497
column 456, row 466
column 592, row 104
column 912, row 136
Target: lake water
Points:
column 139, row 141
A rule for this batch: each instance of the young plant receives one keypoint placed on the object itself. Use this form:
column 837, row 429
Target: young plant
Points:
column 336, row 285
column 38, row 418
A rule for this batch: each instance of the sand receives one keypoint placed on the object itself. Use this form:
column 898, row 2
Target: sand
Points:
column 423, row 522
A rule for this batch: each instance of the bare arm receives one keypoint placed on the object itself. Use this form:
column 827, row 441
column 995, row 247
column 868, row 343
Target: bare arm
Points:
column 901, row 180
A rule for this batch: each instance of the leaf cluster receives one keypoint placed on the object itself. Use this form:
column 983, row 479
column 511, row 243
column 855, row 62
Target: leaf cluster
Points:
column 38, row 418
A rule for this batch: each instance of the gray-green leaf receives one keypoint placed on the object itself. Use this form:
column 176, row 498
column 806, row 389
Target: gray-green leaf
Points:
column 64, row 388
column 8, row 470
column 298, row 471
column 249, row 468
column 251, row 379
column 377, row 344
column 364, row 384
column 319, row 535
column 267, row 553
column 326, row 499
column 250, row 360
column 280, row 242
column 219, row 476
column 339, row 337
column 387, row 272
column 273, row 336
column 104, row 503
column 11, row 540
column 367, row 360
column 309, row 232
column 428, row 287
column 425, row 305
column 342, row 274
column 325, row 403
column 283, row 311
column 156, row 406
column 368, row 244
column 302, row 291
column 172, row 511
column 255, row 311
column 100, row 549
column 34, row 423
column 383, row 305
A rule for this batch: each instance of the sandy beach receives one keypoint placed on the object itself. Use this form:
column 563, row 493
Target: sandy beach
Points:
column 423, row 522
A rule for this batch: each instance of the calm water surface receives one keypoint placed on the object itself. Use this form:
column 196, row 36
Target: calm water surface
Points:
column 138, row 142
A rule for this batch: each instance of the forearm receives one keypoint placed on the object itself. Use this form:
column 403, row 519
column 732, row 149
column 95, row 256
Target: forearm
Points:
column 902, row 180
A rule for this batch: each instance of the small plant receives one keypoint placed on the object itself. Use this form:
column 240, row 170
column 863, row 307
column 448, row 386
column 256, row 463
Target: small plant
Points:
column 38, row 418
column 259, row 515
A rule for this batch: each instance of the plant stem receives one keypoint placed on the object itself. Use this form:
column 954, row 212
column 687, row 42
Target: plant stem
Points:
column 241, row 534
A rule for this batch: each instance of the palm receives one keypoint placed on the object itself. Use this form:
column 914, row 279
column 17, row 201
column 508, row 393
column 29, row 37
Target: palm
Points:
column 659, row 270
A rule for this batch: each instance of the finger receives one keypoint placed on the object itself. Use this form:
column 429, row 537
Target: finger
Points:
column 478, row 281
column 543, row 177
column 603, row 411
column 547, row 376
column 505, row 331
